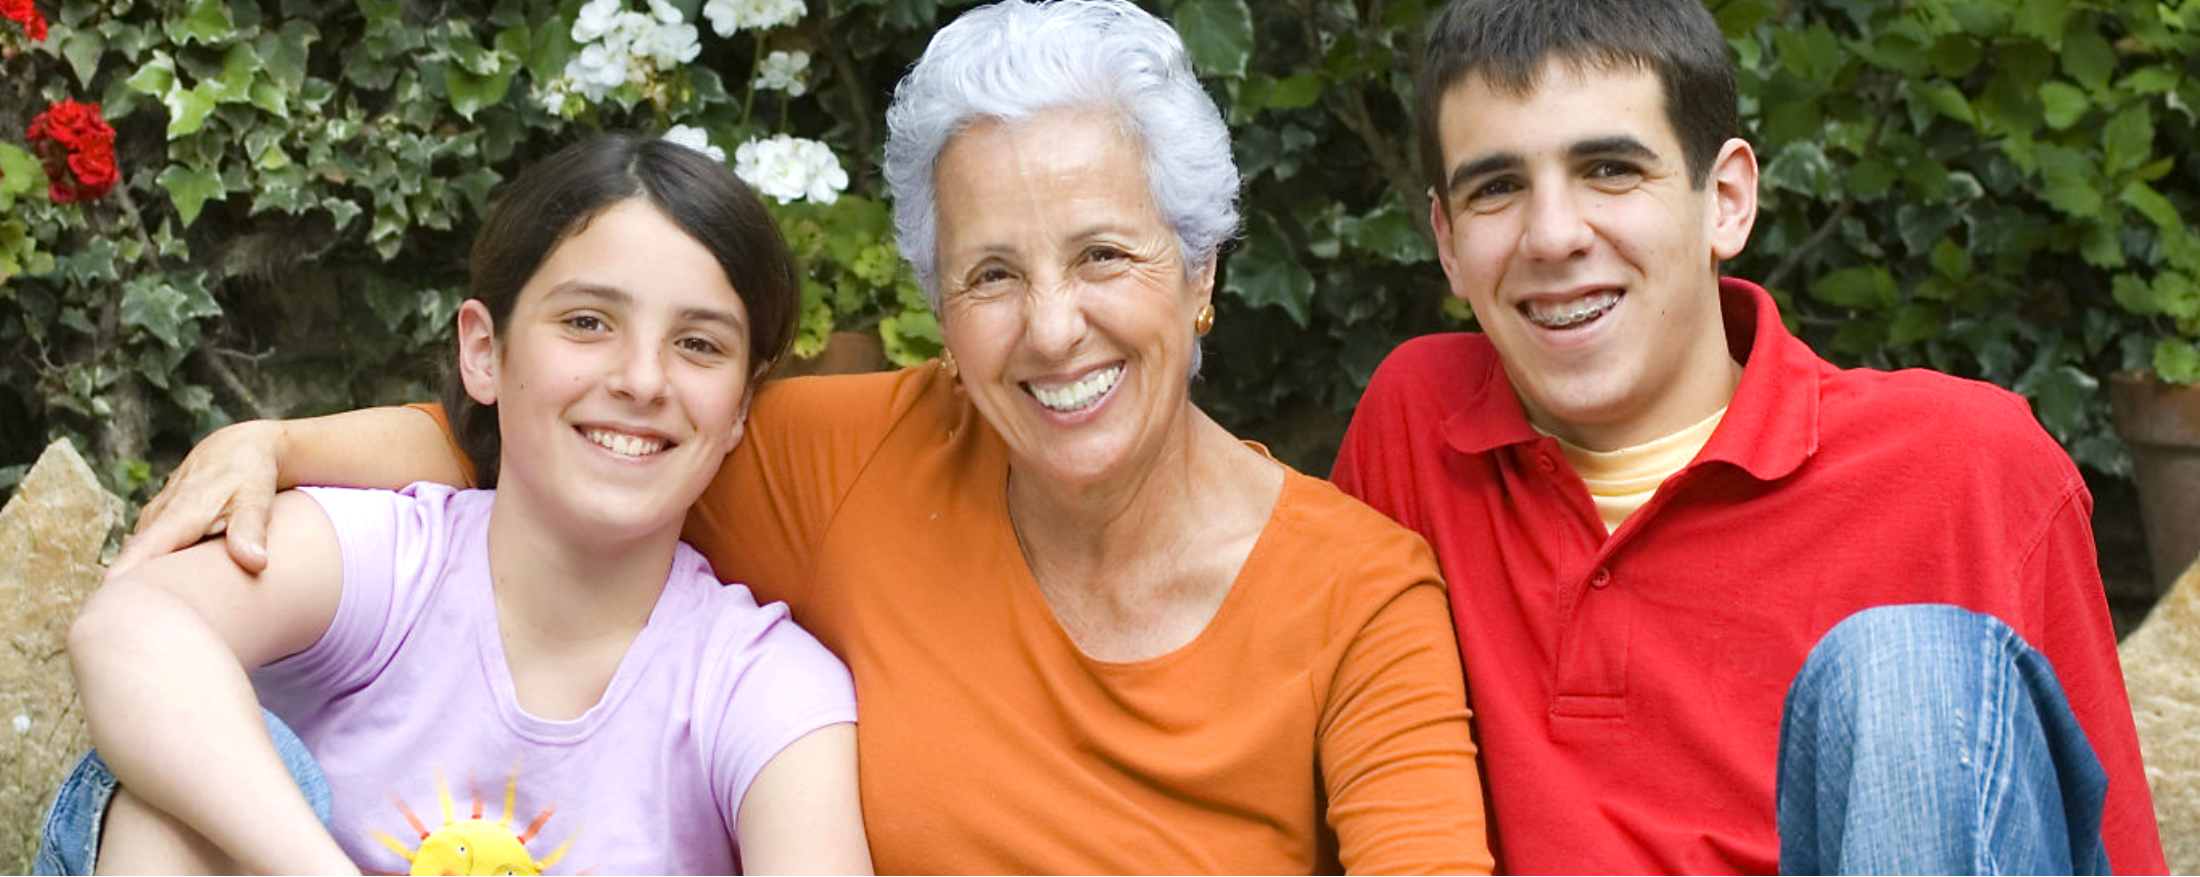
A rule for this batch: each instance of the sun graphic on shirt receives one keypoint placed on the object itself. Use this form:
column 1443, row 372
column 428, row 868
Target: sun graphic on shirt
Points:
column 474, row 845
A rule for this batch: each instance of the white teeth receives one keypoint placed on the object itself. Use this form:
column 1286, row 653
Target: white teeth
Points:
column 1079, row 395
column 1570, row 313
column 626, row 445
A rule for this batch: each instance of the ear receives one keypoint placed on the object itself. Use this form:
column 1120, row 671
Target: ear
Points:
column 1732, row 189
column 741, row 415
column 1203, row 286
column 477, row 351
column 1439, row 223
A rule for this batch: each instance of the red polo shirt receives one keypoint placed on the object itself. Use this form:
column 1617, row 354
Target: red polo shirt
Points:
column 1627, row 688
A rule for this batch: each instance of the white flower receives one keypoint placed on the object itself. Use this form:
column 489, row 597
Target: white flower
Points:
column 630, row 33
column 783, row 71
column 554, row 94
column 791, row 169
column 778, row 13
column 696, row 139
column 597, row 71
column 727, row 16
column 671, row 45
column 721, row 15
column 665, row 12
column 595, row 20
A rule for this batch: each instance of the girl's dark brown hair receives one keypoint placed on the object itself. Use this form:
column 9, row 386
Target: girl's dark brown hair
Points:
column 559, row 195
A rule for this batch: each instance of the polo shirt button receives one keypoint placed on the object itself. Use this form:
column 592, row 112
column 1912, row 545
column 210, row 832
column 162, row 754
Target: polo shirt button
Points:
column 1600, row 578
column 1545, row 463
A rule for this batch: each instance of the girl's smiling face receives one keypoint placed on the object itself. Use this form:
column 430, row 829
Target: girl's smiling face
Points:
column 621, row 380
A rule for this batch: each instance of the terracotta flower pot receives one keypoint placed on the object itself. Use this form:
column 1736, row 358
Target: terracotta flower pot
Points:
column 2160, row 422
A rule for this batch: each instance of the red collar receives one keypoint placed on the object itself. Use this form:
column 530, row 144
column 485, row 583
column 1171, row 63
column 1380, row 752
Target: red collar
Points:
column 1770, row 428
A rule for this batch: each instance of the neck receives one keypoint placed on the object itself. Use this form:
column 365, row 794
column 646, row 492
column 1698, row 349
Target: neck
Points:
column 1670, row 416
column 1137, row 566
column 1118, row 520
column 557, row 589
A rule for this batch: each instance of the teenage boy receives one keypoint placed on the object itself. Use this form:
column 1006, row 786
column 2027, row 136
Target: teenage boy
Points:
column 1652, row 503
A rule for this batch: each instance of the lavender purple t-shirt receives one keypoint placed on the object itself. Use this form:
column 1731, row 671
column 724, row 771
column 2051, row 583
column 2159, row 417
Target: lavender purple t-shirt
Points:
column 408, row 705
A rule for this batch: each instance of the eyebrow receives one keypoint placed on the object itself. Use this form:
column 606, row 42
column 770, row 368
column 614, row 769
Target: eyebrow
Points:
column 1617, row 145
column 1481, row 167
column 619, row 296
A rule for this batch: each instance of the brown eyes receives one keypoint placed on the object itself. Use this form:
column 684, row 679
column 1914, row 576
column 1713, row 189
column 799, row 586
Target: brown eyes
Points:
column 702, row 346
column 592, row 324
column 1601, row 172
column 1613, row 170
column 990, row 279
column 1495, row 188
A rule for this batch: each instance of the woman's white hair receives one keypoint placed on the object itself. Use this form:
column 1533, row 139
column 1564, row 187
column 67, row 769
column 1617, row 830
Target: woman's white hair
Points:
column 1013, row 60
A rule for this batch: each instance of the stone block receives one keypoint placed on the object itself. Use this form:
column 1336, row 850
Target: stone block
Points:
column 52, row 534
column 2162, row 672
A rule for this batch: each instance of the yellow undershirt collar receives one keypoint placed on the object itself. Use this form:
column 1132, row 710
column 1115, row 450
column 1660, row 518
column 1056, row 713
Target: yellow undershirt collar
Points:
column 1621, row 481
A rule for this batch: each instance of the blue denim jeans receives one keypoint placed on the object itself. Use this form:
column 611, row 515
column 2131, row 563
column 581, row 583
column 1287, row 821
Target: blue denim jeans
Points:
column 1932, row 740
column 69, row 844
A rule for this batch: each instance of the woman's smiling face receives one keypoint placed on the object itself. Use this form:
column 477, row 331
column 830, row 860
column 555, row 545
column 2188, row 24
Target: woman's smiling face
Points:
column 1063, row 294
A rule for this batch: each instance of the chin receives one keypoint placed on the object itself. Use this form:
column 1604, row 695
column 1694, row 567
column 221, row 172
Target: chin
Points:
column 621, row 517
column 1082, row 464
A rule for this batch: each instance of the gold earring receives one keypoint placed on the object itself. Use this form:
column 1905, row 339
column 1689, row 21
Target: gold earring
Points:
column 947, row 364
column 1204, row 321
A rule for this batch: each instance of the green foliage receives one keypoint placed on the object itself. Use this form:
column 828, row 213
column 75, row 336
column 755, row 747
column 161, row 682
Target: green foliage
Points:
column 301, row 179
column 1994, row 188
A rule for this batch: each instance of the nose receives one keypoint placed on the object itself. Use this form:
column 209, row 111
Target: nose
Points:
column 638, row 373
column 1054, row 318
column 1557, row 229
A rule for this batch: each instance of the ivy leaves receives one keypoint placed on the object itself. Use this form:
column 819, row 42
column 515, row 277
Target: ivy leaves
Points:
column 1979, row 188
column 1996, row 188
column 1332, row 267
column 1217, row 33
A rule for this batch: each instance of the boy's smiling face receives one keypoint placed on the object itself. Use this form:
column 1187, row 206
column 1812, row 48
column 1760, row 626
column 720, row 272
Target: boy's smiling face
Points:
column 1570, row 223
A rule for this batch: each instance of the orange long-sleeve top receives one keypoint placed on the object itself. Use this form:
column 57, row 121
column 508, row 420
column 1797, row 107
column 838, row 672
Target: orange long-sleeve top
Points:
column 1318, row 722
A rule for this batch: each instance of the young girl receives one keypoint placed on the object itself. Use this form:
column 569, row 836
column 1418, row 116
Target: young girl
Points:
column 502, row 681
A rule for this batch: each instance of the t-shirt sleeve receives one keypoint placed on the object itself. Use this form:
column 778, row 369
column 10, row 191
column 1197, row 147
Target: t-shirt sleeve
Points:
column 2077, row 637
column 808, row 440
column 766, row 684
column 1397, row 753
column 391, row 541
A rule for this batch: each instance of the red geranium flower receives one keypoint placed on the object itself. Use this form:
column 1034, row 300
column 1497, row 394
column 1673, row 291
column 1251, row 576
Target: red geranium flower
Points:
column 26, row 14
column 78, row 149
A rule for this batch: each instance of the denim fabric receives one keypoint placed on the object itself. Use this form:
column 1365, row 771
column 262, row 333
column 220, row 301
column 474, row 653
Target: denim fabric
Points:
column 1929, row 739
column 70, row 842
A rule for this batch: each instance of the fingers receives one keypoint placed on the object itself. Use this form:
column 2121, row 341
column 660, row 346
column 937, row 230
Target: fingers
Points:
column 247, row 530
column 226, row 484
column 164, row 529
column 153, row 536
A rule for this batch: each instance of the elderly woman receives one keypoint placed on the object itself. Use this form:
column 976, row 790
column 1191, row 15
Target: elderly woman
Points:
column 1090, row 630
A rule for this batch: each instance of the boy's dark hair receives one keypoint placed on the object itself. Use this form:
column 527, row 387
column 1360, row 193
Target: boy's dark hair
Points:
column 558, row 196
column 1507, row 42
